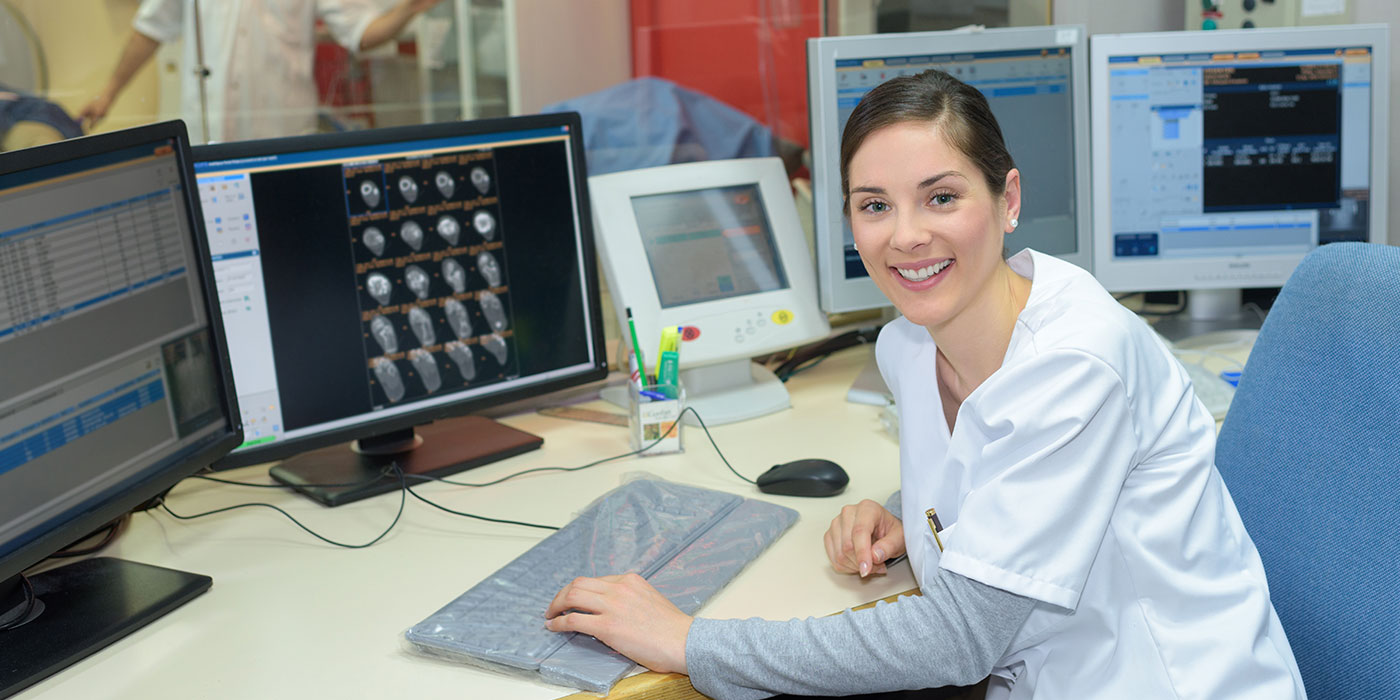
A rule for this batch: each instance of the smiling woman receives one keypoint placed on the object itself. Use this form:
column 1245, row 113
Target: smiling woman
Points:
column 1080, row 542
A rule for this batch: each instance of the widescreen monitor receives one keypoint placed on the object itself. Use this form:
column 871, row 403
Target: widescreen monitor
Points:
column 115, row 384
column 1036, row 82
column 379, row 280
column 1222, row 157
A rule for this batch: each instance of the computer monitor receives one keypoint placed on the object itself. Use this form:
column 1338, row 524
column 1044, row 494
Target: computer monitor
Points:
column 115, row 384
column 378, row 280
column 714, row 248
column 1222, row 157
column 1036, row 82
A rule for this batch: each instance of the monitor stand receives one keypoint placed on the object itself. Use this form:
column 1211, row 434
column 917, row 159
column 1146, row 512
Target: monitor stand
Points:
column 1208, row 311
column 349, row 472
column 80, row 609
column 721, row 393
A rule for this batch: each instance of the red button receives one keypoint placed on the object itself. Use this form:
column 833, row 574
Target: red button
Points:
column 689, row 333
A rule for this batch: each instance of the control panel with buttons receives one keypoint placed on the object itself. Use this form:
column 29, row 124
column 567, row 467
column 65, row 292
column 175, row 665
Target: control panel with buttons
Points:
column 1248, row 14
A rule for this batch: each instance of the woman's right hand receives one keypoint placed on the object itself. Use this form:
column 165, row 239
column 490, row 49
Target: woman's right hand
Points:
column 863, row 537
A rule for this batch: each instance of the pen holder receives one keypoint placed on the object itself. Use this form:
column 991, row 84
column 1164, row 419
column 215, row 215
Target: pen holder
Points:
column 655, row 411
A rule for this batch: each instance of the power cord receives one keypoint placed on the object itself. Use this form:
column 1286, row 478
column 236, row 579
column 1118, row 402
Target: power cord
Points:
column 30, row 600
column 405, row 490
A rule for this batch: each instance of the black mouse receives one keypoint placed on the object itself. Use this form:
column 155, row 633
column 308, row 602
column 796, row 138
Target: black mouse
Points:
column 804, row 477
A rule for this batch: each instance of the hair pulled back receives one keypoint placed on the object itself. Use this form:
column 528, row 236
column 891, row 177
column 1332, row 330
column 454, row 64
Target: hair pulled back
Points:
column 957, row 109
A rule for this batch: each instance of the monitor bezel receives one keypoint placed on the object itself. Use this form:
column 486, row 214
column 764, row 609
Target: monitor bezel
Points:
column 1231, row 272
column 84, row 518
column 839, row 294
column 287, row 447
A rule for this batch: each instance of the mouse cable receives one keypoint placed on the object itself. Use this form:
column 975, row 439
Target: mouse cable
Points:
column 403, row 500
column 445, row 509
column 688, row 409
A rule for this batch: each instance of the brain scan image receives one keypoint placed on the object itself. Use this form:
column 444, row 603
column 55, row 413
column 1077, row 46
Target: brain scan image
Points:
column 455, row 274
column 485, row 225
column 488, row 267
column 412, row 234
column 461, row 355
column 389, row 378
column 481, row 180
column 369, row 191
column 495, row 311
column 383, row 331
column 449, row 229
column 458, row 318
column 373, row 239
column 408, row 188
column 496, row 345
column 379, row 287
column 427, row 368
column 422, row 325
column 417, row 281
column 445, row 184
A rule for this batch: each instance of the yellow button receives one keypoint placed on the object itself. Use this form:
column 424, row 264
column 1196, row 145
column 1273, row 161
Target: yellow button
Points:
column 782, row 317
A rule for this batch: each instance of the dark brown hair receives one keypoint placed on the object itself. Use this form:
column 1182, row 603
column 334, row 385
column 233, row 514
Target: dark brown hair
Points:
column 959, row 110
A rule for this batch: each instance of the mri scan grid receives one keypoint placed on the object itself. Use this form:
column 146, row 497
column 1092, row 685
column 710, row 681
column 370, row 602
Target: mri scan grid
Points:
column 430, row 265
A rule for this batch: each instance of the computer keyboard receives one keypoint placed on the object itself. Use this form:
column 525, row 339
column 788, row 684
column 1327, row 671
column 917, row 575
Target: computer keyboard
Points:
column 689, row 542
column 1210, row 388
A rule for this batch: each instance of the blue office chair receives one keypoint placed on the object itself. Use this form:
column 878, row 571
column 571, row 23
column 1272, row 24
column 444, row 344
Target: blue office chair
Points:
column 1310, row 451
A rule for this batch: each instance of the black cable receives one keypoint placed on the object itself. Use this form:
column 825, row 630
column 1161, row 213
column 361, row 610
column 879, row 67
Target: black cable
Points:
column 403, row 500
column 445, row 509
column 112, row 529
column 824, row 348
column 384, row 471
column 29, row 601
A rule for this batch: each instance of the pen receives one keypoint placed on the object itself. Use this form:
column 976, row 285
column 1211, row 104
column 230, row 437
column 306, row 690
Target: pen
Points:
column 935, row 527
column 636, row 346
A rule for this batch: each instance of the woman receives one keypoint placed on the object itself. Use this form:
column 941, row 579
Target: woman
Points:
column 1090, row 549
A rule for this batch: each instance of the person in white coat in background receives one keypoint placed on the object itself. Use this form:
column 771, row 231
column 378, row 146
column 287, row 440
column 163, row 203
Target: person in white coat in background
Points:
column 1059, row 499
column 259, row 54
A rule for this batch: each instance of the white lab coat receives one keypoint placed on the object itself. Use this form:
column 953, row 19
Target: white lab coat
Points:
column 1081, row 474
column 259, row 54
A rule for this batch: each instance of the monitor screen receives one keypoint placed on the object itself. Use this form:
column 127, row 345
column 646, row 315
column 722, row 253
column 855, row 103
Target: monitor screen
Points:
column 376, row 280
column 1035, row 81
column 708, row 244
column 1228, row 156
column 114, row 385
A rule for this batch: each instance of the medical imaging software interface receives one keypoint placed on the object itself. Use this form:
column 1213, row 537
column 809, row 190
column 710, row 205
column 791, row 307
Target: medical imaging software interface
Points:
column 1238, row 153
column 1030, row 94
column 366, row 281
column 104, row 339
column 708, row 244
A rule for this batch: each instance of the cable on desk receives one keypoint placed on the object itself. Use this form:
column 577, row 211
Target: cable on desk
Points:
column 824, row 348
column 403, row 500
column 445, row 509
column 383, row 472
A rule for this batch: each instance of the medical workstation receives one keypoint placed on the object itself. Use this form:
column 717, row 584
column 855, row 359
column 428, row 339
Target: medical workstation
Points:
column 333, row 400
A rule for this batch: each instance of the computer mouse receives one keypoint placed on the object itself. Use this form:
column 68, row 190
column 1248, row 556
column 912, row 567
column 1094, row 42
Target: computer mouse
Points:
column 804, row 477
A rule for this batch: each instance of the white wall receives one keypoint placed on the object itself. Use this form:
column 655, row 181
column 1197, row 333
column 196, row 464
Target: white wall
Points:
column 1106, row 17
column 567, row 49
column 1388, row 12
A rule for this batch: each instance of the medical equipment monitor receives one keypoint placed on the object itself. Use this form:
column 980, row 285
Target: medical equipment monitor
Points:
column 1036, row 82
column 715, row 249
column 114, row 385
column 379, row 280
column 1223, row 157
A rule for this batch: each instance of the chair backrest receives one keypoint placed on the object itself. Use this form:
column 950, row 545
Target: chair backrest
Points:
column 1310, row 451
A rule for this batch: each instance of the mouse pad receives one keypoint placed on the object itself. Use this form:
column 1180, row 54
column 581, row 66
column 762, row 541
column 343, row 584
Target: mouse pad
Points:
column 687, row 541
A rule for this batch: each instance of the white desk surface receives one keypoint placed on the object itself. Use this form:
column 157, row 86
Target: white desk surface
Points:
column 291, row 617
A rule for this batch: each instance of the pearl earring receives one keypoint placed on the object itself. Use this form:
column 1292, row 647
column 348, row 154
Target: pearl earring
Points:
column 1015, row 223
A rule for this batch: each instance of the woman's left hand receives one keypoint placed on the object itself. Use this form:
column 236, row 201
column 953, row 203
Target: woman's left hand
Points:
column 626, row 613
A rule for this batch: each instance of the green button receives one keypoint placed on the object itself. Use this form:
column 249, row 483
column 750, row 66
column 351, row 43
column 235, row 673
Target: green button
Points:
column 258, row 441
column 1208, row 24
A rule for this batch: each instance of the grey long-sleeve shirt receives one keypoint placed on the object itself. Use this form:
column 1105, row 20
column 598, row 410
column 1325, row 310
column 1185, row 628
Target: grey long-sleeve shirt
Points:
column 951, row 635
